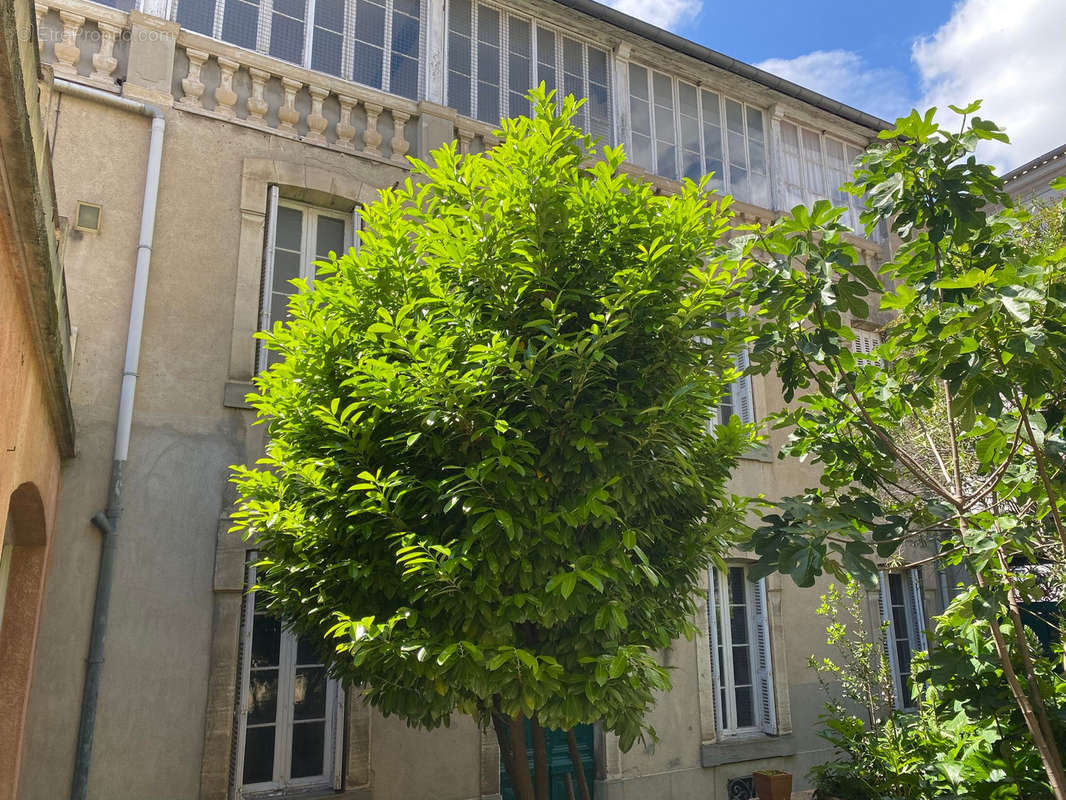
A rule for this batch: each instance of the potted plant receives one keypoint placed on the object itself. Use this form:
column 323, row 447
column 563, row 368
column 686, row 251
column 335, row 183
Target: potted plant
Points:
column 773, row 784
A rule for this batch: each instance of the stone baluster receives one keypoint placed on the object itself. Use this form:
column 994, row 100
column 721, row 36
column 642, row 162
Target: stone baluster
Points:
column 287, row 114
column 466, row 136
column 191, row 86
column 371, row 136
column 345, row 129
column 399, row 142
column 257, row 104
column 225, row 97
column 40, row 11
column 104, row 61
column 67, row 52
column 316, row 122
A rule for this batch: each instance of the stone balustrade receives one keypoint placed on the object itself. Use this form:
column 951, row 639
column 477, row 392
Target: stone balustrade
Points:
column 219, row 80
column 83, row 41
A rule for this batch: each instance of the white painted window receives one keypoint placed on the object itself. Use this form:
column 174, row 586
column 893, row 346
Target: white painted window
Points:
column 678, row 130
column 298, row 235
column 903, row 611
column 373, row 42
column 815, row 166
column 864, row 345
column 494, row 57
column 738, row 398
column 740, row 653
column 290, row 710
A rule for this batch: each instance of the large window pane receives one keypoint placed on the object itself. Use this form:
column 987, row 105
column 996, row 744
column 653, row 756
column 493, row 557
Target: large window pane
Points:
column 488, row 64
column 369, row 65
column 240, row 23
column 197, row 15
column 308, row 740
column 519, row 66
column 259, row 755
column 327, row 45
column 546, row 70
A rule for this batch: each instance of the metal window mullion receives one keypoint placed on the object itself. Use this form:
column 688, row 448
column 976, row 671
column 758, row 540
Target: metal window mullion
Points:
column 309, row 31
column 216, row 23
column 351, row 8
column 386, row 49
column 679, row 145
column 266, row 23
column 475, row 20
column 505, row 64
column 723, row 130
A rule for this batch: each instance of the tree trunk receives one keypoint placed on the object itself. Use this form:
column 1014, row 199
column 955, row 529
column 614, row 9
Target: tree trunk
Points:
column 511, row 737
column 579, row 770
column 541, row 784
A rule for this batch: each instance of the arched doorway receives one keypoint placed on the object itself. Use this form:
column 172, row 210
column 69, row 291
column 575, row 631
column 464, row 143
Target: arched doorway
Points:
column 22, row 563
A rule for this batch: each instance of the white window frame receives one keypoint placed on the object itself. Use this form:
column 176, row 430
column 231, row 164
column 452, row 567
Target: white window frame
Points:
column 807, row 195
column 334, row 738
column 307, row 255
column 536, row 25
column 764, row 708
column 721, row 181
column 348, row 41
column 913, row 610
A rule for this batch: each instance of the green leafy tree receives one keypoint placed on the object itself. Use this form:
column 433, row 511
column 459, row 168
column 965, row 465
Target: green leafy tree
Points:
column 955, row 439
column 490, row 484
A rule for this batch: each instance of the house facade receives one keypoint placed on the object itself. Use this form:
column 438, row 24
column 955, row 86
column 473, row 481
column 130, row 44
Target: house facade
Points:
column 36, row 418
column 264, row 126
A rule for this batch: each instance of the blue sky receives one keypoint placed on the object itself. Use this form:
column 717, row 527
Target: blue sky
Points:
column 886, row 58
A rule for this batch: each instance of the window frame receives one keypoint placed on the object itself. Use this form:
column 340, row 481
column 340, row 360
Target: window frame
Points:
column 536, row 25
column 332, row 749
column 809, row 196
column 756, row 609
column 723, row 181
column 914, row 624
column 741, row 395
column 349, row 43
column 307, row 256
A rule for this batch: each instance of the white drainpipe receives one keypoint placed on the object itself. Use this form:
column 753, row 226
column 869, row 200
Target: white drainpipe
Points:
column 108, row 523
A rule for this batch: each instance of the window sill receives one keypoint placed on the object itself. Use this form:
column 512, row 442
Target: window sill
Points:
column 760, row 452
column 234, row 393
column 734, row 750
column 320, row 793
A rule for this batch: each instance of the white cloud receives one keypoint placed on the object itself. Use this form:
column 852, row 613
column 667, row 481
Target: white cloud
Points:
column 1012, row 56
column 843, row 75
column 663, row 13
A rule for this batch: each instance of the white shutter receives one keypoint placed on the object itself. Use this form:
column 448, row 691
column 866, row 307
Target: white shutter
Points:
column 885, row 604
column 763, row 662
column 713, row 604
column 268, row 275
column 742, row 400
column 917, row 610
column 864, row 345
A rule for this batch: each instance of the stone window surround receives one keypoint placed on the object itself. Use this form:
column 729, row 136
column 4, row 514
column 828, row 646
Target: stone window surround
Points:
column 342, row 189
column 717, row 750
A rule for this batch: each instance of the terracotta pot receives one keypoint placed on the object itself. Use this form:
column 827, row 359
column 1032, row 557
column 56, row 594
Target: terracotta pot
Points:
column 773, row 785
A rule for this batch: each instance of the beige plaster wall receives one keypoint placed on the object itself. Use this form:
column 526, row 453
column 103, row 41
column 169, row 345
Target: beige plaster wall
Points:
column 172, row 632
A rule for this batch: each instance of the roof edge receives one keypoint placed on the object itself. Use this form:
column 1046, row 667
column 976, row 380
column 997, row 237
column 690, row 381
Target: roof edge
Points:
column 1039, row 161
column 713, row 57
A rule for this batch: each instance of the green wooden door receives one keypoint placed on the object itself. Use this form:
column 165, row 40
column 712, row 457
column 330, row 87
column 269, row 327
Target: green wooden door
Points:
column 558, row 761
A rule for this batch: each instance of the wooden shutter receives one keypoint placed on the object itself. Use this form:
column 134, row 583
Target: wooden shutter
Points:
column 885, row 605
column 864, row 345
column 742, row 400
column 713, row 604
column 767, row 711
column 267, row 285
column 917, row 610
